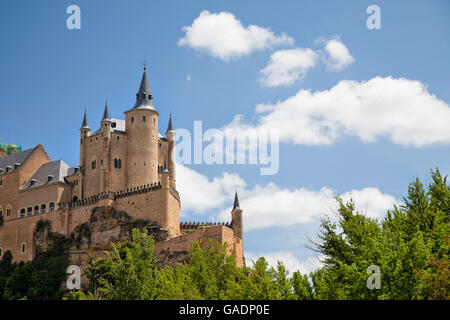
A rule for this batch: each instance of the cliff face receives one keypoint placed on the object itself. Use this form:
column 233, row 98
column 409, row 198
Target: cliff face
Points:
column 93, row 238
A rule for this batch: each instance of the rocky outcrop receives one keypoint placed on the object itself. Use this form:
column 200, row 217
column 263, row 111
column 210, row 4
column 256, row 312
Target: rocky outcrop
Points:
column 91, row 239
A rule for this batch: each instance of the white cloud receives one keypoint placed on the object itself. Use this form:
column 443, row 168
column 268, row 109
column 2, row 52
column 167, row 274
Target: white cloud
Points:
column 224, row 37
column 188, row 77
column 269, row 205
column 337, row 55
column 401, row 110
column 198, row 193
column 371, row 201
column 290, row 261
column 286, row 66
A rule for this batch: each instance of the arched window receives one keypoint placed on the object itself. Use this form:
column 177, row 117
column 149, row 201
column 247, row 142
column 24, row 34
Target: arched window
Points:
column 51, row 206
column 29, row 211
column 132, row 119
column 36, row 209
column 22, row 212
column 115, row 163
column 1, row 211
column 144, row 119
column 43, row 208
column 24, row 247
column 119, row 163
column 8, row 210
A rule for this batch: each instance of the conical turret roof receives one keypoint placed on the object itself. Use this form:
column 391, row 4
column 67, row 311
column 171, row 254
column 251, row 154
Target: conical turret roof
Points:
column 144, row 98
column 106, row 112
column 236, row 202
column 85, row 124
column 170, row 126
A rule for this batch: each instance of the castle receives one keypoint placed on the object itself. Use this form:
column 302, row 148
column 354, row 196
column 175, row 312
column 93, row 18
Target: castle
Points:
column 125, row 166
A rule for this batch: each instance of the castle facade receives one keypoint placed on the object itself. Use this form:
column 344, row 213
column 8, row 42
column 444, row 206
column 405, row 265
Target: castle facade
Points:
column 125, row 165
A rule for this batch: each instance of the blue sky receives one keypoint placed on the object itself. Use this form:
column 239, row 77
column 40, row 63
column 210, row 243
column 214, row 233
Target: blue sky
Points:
column 49, row 74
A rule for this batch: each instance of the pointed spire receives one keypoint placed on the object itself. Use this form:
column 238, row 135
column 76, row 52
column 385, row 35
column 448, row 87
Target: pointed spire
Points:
column 144, row 98
column 170, row 126
column 106, row 112
column 85, row 124
column 236, row 202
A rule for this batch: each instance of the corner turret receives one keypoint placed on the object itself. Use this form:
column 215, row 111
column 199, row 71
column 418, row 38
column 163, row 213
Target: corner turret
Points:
column 236, row 219
column 170, row 136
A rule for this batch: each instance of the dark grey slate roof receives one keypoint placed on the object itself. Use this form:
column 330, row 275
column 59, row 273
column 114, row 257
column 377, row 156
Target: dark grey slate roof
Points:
column 236, row 202
column 170, row 126
column 73, row 170
column 85, row 122
column 144, row 98
column 58, row 169
column 106, row 112
column 117, row 125
column 11, row 160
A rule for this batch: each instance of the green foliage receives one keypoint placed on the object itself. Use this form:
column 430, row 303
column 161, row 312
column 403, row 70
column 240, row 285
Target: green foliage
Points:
column 402, row 245
column 411, row 246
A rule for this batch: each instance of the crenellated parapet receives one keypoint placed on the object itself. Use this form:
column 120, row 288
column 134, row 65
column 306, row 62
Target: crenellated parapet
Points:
column 113, row 195
column 189, row 226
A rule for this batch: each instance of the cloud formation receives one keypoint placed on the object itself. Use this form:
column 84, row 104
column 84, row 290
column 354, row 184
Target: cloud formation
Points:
column 290, row 261
column 224, row 37
column 400, row 110
column 337, row 56
column 269, row 205
column 286, row 66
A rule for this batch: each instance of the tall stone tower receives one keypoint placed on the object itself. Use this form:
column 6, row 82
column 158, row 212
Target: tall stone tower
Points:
column 141, row 125
column 105, row 157
column 236, row 219
column 170, row 136
column 85, row 132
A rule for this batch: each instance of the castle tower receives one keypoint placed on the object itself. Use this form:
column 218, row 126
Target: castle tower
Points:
column 141, row 126
column 170, row 136
column 106, row 150
column 85, row 132
column 236, row 219
column 106, row 123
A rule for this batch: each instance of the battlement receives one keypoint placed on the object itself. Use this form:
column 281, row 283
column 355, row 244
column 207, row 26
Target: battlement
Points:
column 190, row 226
column 113, row 195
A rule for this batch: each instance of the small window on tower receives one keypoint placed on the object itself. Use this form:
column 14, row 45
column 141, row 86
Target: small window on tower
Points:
column 143, row 118
column 119, row 163
column 132, row 119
